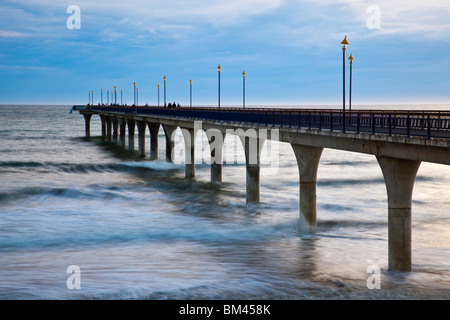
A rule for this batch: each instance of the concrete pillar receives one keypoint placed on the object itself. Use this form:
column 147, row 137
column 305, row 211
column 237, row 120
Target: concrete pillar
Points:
column 108, row 129
column 141, row 138
column 252, row 146
column 189, row 135
column 169, row 131
column 216, row 140
column 87, row 121
column 115, row 133
column 122, row 132
column 154, row 132
column 103, row 121
column 399, row 176
column 131, row 128
column 308, row 162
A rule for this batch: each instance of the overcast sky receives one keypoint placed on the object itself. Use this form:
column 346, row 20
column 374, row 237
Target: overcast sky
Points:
column 289, row 49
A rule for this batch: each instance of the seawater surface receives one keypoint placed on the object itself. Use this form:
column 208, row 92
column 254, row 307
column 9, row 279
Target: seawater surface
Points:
column 137, row 229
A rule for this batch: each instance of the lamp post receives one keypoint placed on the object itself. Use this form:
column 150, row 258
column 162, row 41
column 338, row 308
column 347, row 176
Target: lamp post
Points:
column 89, row 97
column 190, row 92
column 344, row 47
column 101, row 96
column 164, row 90
column 107, row 97
column 115, row 95
column 134, row 93
column 121, row 101
column 158, row 95
column 350, row 59
column 219, row 68
column 243, row 89
column 137, row 97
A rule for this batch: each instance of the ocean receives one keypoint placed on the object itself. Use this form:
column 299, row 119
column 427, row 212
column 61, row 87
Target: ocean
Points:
column 133, row 228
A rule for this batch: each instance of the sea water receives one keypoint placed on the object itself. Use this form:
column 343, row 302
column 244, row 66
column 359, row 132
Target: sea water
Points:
column 137, row 229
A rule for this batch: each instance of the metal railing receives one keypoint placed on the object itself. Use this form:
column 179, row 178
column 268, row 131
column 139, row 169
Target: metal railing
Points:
column 429, row 124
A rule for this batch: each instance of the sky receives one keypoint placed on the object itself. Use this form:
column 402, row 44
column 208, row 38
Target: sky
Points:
column 289, row 49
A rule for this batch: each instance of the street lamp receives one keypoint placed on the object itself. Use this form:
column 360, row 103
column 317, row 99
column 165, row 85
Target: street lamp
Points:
column 164, row 90
column 219, row 68
column 121, row 101
column 190, row 97
column 115, row 95
column 158, row 95
column 243, row 89
column 134, row 93
column 137, row 97
column 101, row 96
column 350, row 59
column 107, row 97
column 344, row 46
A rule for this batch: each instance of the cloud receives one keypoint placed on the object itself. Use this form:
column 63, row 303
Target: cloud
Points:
column 13, row 34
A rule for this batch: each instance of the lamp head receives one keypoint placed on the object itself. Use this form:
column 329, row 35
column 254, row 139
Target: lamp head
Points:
column 344, row 43
column 350, row 59
column 219, row 68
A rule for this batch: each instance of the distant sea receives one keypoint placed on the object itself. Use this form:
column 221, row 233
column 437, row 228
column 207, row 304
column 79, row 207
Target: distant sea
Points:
column 137, row 229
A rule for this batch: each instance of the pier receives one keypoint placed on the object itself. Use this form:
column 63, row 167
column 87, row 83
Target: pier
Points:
column 400, row 141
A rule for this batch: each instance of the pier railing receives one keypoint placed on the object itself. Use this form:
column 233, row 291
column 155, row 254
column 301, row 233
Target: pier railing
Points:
column 429, row 124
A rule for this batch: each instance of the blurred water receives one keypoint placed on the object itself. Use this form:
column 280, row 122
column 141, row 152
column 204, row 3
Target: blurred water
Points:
column 138, row 230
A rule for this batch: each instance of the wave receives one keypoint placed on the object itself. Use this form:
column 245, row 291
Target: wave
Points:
column 15, row 166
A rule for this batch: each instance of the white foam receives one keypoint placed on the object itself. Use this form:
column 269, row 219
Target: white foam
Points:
column 155, row 165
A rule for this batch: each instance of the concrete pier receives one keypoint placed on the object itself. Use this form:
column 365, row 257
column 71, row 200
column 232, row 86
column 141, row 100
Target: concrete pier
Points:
column 154, row 132
column 141, row 125
column 115, row 132
column 87, row 122
column 399, row 176
column 108, row 129
column 169, row 131
column 131, row 133
column 400, row 144
column 189, row 135
column 103, row 122
column 308, row 162
column 216, row 139
column 252, row 146
column 122, row 132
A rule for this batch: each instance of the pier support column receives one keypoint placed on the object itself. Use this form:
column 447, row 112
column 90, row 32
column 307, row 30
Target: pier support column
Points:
column 108, row 129
column 308, row 162
column 399, row 176
column 154, row 132
column 252, row 146
column 122, row 132
column 103, row 121
column 141, row 140
column 131, row 129
column 169, row 131
column 87, row 121
column 115, row 133
column 189, row 135
column 216, row 139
